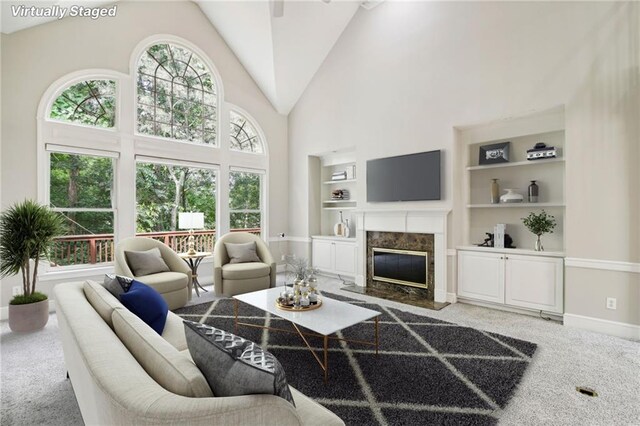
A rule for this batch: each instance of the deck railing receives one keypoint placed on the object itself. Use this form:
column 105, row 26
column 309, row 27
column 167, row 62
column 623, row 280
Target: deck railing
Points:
column 100, row 248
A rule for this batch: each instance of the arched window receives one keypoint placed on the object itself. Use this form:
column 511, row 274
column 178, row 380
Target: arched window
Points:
column 244, row 136
column 90, row 102
column 177, row 96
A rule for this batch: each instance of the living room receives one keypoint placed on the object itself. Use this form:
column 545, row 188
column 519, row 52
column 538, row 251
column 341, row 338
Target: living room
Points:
column 298, row 91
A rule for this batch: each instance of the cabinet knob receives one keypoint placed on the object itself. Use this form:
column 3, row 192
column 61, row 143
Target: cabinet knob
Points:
column 501, row 257
column 506, row 257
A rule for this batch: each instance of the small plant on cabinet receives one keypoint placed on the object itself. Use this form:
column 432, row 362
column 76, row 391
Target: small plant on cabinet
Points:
column 539, row 224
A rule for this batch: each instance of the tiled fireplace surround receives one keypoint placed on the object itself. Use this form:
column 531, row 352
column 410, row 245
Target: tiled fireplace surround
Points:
column 379, row 224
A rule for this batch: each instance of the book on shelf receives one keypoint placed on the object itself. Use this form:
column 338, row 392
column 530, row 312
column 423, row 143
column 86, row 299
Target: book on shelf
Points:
column 498, row 235
column 351, row 172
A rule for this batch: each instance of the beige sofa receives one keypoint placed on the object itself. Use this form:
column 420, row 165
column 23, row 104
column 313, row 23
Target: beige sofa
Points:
column 112, row 388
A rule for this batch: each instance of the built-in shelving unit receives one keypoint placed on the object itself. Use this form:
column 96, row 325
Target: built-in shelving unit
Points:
column 325, row 209
column 516, row 278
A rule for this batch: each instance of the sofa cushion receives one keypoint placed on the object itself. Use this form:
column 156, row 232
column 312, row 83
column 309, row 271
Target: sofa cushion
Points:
column 243, row 271
column 242, row 253
column 146, row 262
column 174, row 332
column 101, row 300
column 234, row 366
column 147, row 304
column 165, row 364
column 166, row 282
column 117, row 284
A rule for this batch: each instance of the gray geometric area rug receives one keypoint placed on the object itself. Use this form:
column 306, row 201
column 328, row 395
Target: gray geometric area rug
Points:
column 427, row 371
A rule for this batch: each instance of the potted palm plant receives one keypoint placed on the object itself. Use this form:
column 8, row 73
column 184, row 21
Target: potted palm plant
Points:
column 27, row 230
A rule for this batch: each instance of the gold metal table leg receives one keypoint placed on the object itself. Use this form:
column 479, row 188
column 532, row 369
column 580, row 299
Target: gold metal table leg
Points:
column 376, row 332
column 235, row 314
column 326, row 358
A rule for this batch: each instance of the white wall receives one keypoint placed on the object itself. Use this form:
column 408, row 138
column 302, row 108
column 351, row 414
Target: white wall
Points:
column 404, row 74
column 34, row 58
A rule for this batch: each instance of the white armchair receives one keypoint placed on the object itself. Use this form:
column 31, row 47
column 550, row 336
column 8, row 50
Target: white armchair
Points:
column 174, row 286
column 236, row 278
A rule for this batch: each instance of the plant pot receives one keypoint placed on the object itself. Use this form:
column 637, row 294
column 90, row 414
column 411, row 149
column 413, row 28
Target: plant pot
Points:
column 29, row 317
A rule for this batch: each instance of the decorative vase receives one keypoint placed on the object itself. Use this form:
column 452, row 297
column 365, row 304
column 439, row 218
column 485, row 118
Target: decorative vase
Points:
column 29, row 317
column 495, row 191
column 511, row 197
column 339, row 228
column 533, row 192
column 538, row 245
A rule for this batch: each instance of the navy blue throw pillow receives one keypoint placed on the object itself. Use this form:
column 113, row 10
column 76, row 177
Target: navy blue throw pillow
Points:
column 147, row 304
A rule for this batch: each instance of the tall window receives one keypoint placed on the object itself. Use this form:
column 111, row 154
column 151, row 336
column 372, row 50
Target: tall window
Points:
column 244, row 136
column 90, row 102
column 81, row 188
column 245, row 201
column 164, row 191
column 176, row 95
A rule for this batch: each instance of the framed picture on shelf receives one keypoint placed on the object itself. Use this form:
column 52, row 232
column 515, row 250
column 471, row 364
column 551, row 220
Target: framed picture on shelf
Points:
column 494, row 153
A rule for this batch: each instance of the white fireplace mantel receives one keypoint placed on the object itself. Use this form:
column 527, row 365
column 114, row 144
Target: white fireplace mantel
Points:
column 418, row 221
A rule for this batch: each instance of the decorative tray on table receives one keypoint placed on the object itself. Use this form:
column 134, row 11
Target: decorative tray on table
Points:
column 287, row 305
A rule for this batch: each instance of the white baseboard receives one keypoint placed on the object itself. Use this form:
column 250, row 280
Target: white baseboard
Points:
column 452, row 298
column 613, row 328
column 4, row 311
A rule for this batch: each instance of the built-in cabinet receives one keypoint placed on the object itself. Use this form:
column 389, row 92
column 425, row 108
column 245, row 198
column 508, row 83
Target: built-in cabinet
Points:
column 507, row 278
column 334, row 255
column 517, row 278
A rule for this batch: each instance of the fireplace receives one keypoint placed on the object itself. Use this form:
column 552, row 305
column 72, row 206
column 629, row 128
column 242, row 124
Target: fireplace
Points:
column 424, row 230
column 401, row 262
column 403, row 267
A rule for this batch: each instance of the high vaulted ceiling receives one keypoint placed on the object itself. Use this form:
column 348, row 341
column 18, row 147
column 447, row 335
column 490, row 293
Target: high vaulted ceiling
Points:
column 282, row 53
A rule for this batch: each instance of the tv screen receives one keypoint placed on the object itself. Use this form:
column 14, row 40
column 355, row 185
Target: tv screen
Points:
column 413, row 177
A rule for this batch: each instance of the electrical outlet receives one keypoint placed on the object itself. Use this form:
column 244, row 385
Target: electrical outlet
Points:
column 612, row 303
column 283, row 257
column 17, row 290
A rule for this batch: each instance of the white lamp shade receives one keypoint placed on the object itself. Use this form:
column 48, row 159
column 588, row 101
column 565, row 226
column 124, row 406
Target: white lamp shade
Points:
column 191, row 220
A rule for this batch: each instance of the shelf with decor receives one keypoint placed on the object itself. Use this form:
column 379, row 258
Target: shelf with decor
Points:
column 514, row 205
column 517, row 164
column 334, row 191
column 337, row 182
column 340, row 208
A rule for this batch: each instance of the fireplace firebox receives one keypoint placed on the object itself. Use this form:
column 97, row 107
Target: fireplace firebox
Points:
column 404, row 267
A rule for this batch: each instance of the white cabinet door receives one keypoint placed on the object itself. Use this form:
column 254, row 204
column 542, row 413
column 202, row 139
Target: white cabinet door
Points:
column 481, row 276
column 344, row 258
column 322, row 254
column 534, row 282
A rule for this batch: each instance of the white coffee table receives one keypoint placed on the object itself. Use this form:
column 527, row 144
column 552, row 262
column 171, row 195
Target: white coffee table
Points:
column 330, row 318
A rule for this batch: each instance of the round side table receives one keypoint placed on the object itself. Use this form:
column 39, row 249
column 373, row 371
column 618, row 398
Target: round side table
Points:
column 193, row 261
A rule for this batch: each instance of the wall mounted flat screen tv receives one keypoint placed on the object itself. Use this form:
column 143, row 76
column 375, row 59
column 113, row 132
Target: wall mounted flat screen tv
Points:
column 413, row 177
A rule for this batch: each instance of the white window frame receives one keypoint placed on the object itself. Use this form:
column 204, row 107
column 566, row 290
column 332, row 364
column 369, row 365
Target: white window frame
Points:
column 61, row 149
column 141, row 49
column 263, row 193
column 179, row 163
